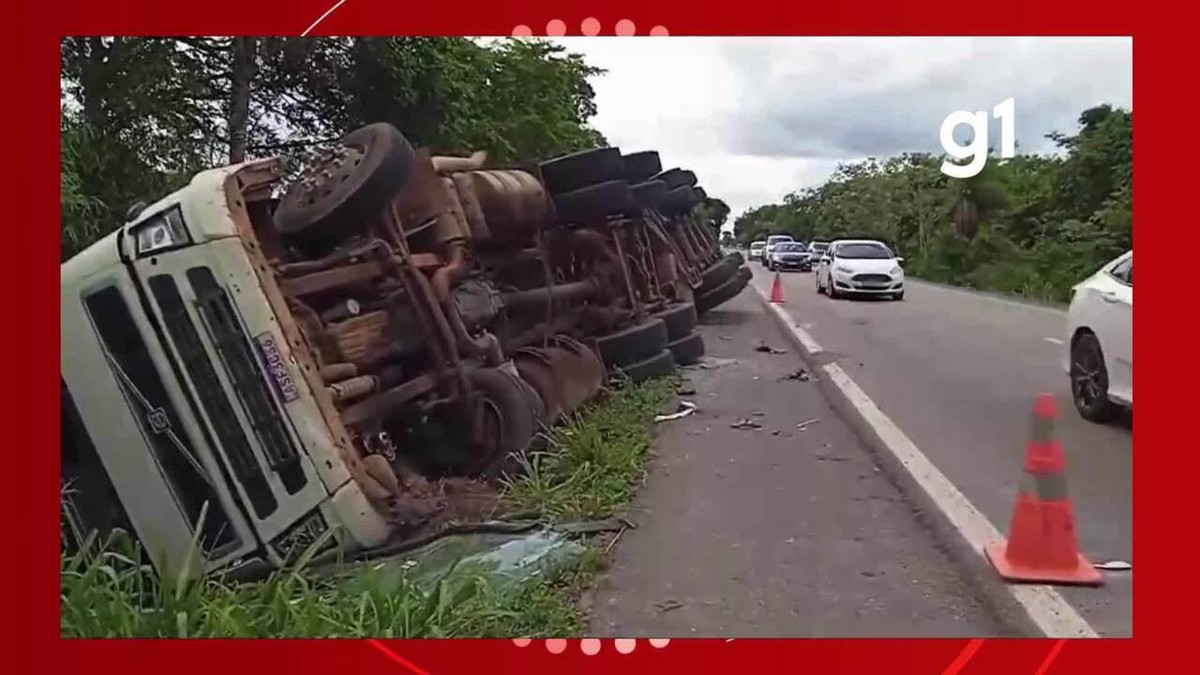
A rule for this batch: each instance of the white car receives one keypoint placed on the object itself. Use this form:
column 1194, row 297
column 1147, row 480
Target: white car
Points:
column 860, row 267
column 1099, row 358
column 756, row 249
column 773, row 241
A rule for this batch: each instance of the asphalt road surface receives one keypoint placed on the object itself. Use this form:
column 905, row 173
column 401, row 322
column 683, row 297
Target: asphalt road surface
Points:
column 958, row 371
column 784, row 529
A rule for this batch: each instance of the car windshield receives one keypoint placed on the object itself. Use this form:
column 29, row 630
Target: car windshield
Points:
column 777, row 239
column 793, row 248
column 758, row 244
column 819, row 247
column 863, row 252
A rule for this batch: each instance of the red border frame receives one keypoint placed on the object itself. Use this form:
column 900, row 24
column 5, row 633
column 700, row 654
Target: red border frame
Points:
column 31, row 339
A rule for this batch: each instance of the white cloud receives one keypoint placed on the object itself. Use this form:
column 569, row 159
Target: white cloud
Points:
column 757, row 118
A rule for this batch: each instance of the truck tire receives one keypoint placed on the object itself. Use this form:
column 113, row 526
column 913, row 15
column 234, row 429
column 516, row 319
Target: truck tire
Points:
column 658, row 365
column 720, row 294
column 649, row 194
column 687, row 349
column 679, row 319
column 677, row 178
column 640, row 166
column 569, row 173
column 514, row 421
column 676, row 201
column 594, row 202
column 633, row 344
column 379, row 164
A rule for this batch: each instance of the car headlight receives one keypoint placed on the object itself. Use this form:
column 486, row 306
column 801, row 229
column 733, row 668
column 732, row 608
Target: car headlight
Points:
column 896, row 270
column 843, row 270
column 160, row 233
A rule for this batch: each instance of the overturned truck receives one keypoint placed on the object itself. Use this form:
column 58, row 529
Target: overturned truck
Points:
column 259, row 357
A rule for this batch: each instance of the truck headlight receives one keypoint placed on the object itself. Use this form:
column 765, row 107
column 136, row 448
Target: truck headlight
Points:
column 161, row 232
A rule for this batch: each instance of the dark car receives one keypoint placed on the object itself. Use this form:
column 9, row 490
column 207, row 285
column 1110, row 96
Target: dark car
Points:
column 790, row 256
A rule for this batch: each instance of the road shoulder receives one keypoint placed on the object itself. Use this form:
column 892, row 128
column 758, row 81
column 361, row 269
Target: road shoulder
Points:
column 776, row 531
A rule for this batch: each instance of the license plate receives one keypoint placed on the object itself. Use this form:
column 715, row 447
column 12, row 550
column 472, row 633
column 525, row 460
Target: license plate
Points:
column 285, row 386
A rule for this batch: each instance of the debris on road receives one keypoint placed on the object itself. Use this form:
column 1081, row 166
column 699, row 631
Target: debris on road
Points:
column 768, row 349
column 801, row 375
column 708, row 363
column 667, row 605
column 685, row 391
column 685, row 408
column 803, row 426
column 1114, row 566
column 745, row 423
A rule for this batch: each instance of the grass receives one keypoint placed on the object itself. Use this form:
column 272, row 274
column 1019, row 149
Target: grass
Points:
column 594, row 465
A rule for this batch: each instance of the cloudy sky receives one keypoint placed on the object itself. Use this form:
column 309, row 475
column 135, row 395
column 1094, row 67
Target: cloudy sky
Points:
column 757, row 118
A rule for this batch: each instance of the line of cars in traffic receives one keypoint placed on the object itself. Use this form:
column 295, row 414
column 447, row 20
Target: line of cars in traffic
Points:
column 1099, row 354
column 843, row 266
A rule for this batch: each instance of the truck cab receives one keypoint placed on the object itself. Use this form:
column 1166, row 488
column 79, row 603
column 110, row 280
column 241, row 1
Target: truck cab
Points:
column 192, row 415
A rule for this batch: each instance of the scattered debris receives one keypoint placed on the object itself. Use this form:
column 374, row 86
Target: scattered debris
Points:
column 745, row 423
column 723, row 337
column 775, row 433
column 708, row 363
column 758, row 413
column 801, row 375
column 685, row 408
column 803, row 426
column 667, row 605
column 685, row 391
column 768, row 349
column 1114, row 566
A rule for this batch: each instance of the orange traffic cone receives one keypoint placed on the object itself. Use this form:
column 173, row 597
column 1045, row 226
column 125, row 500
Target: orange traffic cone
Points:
column 1041, row 546
column 777, row 290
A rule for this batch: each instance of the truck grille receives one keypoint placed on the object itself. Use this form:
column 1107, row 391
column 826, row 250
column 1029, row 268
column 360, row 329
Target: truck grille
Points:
column 147, row 396
column 230, row 435
column 872, row 279
column 250, row 382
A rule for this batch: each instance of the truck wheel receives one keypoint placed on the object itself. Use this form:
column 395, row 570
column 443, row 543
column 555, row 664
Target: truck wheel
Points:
column 633, row 344
column 508, row 420
column 594, row 202
column 677, row 178
column 720, row 294
column 687, row 349
column 659, row 365
column 581, row 169
column 680, row 319
column 372, row 165
column 678, row 200
column 640, row 166
column 649, row 194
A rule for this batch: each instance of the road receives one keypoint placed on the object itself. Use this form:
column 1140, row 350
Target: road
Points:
column 957, row 371
column 775, row 531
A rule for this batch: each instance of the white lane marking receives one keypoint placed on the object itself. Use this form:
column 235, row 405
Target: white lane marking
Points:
column 1054, row 341
column 1052, row 614
column 810, row 345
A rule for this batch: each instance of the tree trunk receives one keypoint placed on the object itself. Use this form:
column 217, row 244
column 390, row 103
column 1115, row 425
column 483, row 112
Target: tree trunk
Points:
column 244, row 69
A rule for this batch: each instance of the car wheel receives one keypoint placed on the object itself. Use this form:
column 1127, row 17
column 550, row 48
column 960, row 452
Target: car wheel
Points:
column 832, row 291
column 1089, row 380
column 820, row 290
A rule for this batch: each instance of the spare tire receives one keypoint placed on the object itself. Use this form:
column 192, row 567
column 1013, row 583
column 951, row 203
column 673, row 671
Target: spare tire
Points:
column 595, row 202
column 581, row 169
column 374, row 163
column 640, row 166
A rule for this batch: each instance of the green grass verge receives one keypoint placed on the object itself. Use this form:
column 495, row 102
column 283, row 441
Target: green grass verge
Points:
column 593, row 467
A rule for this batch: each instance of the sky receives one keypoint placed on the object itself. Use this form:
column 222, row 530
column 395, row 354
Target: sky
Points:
column 757, row 118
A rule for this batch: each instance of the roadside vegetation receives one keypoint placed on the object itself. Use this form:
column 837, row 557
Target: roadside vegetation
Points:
column 1033, row 225
column 591, row 469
